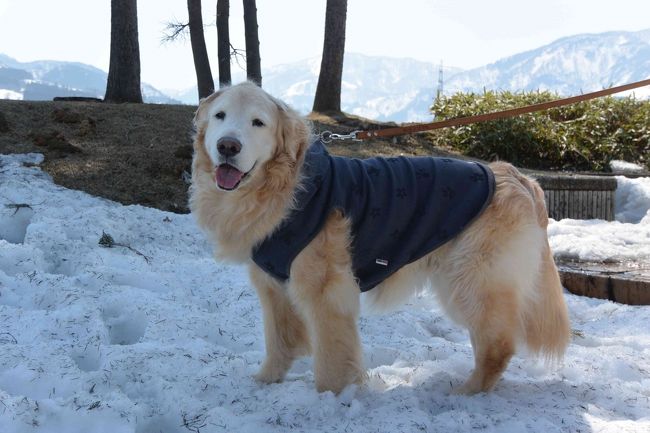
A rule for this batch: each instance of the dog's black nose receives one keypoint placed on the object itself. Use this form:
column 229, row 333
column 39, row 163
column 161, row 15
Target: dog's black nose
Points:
column 228, row 146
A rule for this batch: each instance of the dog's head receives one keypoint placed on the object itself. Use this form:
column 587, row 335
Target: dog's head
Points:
column 241, row 130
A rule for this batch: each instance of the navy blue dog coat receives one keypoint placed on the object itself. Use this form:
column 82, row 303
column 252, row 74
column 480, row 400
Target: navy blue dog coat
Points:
column 400, row 208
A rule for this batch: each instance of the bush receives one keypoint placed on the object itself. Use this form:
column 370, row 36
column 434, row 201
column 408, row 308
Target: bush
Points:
column 583, row 136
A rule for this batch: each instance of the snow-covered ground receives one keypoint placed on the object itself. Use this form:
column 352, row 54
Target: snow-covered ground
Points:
column 96, row 339
column 10, row 94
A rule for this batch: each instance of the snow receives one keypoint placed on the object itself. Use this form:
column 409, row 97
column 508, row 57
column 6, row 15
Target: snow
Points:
column 96, row 339
column 624, row 240
column 632, row 199
column 10, row 94
column 619, row 166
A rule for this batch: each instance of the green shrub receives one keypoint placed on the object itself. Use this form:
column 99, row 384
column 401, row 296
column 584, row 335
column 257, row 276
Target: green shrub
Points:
column 584, row 136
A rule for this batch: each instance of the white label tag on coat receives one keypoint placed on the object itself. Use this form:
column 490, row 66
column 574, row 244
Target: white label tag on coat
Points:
column 382, row 262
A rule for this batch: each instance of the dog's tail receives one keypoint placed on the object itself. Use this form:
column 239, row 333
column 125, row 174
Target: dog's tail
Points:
column 547, row 325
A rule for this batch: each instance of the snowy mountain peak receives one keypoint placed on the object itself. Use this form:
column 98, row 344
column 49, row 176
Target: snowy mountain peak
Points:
column 569, row 65
column 45, row 79
column 382, row 88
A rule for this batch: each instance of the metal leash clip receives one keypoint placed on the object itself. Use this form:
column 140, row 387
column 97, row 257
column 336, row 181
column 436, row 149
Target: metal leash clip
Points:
column 328, row 136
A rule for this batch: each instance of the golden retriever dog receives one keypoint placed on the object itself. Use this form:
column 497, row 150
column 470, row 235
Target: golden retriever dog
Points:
column 496, row 277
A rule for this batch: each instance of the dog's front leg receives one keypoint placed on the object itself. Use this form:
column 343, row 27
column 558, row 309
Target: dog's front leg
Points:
column 336, row 343
column 284, row 332
column 326, row 295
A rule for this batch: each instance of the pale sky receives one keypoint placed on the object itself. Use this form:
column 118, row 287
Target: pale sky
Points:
column 461, row 33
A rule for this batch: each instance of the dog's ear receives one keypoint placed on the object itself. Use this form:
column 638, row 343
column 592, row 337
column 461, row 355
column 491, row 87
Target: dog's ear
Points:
column 204, row 103
column 293, row 131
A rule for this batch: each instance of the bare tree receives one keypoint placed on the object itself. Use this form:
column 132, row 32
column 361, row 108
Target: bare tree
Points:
column 204, row 79
column 175, row 30
column 328, row 90
column 225, row 51
column 223, row 42
column 123, row 83
column 253, row 67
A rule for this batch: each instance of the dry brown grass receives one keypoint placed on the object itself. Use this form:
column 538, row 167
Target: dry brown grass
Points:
column 137, row 153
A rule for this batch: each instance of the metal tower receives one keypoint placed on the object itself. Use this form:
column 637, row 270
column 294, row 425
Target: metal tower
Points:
column 440, row 91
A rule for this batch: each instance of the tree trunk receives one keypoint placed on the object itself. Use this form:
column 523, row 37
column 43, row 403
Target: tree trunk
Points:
column 123, row 83
column 204, row 79
column 328, row 90
column 223, row 40
column 253, row 67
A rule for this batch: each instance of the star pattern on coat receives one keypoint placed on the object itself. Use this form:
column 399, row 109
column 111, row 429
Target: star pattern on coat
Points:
column 448, row 192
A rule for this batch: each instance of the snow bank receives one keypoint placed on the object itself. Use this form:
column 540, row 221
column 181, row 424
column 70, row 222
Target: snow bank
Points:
column 98, row 339
column 626, row 239
column 10, row 94
column 619, row 166
column 632, row 203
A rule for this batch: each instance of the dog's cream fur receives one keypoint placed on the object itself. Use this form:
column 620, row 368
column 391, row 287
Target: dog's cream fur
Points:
column 497, row 278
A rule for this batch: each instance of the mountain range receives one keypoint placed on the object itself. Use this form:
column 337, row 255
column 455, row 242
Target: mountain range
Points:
column 382, row 88
column 45, row 79
column 570, row 65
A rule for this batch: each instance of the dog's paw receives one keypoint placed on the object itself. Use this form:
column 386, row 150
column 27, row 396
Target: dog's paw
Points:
column 465, row 390
column 471, row 387
column 270, row 373
column 338, row 382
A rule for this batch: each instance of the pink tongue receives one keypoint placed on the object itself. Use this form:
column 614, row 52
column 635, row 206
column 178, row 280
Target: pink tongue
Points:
column 228, row 176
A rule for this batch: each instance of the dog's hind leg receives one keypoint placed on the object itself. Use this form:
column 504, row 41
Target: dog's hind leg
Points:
column 326, row 294
column 493, row 340
column 284, row 331
column 487, row 292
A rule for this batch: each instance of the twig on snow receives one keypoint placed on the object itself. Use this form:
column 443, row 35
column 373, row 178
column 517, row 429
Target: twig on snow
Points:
column 107, row 241
column 19, row 206
column 194, row 423
column 6, row 340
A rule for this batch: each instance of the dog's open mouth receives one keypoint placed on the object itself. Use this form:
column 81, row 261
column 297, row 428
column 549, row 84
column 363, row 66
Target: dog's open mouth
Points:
column 229, row 177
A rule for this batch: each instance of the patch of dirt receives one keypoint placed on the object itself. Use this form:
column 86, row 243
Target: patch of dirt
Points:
column 142, row 153
column 4, row 125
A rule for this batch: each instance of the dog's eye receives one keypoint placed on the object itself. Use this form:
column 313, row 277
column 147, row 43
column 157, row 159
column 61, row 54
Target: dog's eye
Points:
column 258, row 122
column 220, row 115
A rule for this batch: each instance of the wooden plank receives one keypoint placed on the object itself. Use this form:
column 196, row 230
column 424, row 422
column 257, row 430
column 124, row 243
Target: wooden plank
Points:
column 633, row 292
column 562, row 181
column 580, row 204
column 565, row 203
column 551, row 204
column 580, row 201
column 602, row 285
column 609, row 206
column 578, row 283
